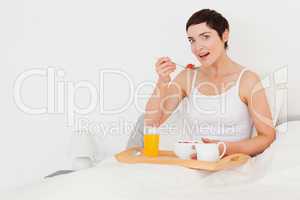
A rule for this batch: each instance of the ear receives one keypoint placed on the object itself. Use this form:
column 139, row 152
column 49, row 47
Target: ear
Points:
column 225, row 35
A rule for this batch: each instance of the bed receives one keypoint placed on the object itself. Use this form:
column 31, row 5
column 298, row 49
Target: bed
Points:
column 273, row 174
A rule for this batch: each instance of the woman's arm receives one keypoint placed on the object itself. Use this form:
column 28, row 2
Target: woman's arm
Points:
column 166, row 95
column 252, row 147
column 153, row 112
column 257, row 102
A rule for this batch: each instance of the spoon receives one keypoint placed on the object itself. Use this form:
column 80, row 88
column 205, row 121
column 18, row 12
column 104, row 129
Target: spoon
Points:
column 188, row 66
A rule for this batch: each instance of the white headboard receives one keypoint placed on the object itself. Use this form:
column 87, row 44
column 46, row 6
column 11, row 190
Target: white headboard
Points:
column 287, row 85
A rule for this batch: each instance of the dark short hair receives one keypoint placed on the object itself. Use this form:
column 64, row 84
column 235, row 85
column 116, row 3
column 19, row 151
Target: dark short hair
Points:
column 212, row 18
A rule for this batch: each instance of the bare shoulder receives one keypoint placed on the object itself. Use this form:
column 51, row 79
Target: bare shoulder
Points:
column 250, row 81
column 251, row 75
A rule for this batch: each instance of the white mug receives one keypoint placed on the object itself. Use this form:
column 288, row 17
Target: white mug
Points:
column 210, row 151
column 184, row 150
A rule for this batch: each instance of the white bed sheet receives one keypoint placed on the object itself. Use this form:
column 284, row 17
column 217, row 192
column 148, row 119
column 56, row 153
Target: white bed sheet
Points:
column 264, row 176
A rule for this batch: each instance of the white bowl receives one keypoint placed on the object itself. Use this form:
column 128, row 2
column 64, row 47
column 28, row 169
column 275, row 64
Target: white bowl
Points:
column 184, row 150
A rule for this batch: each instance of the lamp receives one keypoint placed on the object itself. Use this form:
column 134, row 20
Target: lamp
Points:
column 83, row 149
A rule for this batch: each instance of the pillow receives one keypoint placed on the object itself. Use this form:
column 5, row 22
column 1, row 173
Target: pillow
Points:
column 286, row 147
column 276, row 97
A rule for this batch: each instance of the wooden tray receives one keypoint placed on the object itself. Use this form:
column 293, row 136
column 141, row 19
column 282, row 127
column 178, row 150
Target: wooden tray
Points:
column 134, row 155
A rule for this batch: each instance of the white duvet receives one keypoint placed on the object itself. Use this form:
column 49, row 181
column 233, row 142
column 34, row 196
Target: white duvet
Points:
column 274, row 174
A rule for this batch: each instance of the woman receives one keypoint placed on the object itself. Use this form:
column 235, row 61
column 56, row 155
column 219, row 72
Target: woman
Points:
column 228, row 94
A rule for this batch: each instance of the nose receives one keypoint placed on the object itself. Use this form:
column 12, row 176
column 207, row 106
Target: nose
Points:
column 199, row 47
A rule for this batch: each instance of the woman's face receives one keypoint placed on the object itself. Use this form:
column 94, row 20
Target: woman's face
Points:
column 206, row 44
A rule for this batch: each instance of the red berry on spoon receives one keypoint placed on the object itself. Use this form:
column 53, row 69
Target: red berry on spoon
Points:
column 190, row 66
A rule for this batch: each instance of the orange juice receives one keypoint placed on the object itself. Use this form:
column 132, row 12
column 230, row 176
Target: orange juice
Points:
column 151, row 145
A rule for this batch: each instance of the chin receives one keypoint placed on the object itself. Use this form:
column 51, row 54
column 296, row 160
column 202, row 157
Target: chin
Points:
column 210, row 60
column 206, row 63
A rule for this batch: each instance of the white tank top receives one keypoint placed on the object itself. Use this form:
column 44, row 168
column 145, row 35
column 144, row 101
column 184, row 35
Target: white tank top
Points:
column 222, row 117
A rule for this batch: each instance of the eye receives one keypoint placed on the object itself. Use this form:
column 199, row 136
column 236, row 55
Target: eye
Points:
column 205, row 37
column 191, row 41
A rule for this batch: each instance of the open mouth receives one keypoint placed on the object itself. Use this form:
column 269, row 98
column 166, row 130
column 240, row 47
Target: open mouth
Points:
column 204, row 55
